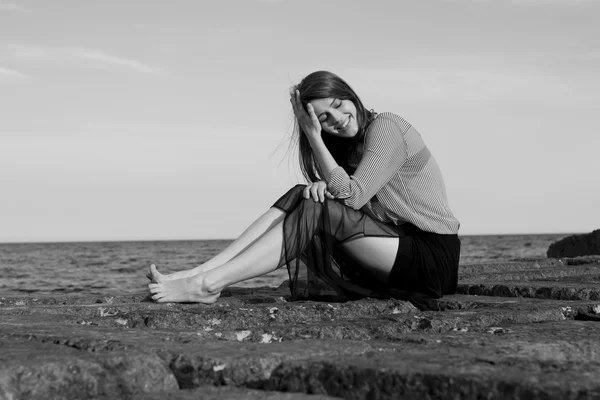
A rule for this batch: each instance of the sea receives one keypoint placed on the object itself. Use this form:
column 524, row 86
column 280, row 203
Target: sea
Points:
column 111, row 268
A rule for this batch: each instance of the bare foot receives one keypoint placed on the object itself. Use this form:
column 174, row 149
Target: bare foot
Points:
column 185, row 290
column 157, row 277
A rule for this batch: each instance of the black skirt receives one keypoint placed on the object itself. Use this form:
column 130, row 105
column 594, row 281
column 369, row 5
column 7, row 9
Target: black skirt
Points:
column 426, row 265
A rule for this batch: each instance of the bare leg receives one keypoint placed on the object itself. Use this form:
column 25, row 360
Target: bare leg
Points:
column 263, row 256
column 258, row 228
column 376, row 254
column 260, row 258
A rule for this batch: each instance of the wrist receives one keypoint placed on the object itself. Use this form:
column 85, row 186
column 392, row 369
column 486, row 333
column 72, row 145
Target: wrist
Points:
column 315, row 140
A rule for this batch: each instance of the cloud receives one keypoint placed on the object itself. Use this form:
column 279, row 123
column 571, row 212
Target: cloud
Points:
column 105, row 58
column 78, row 56
column 11, row 72
column 10, row 75
column 7, row 6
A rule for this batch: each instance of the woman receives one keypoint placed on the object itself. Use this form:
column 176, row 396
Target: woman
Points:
column 374, row 221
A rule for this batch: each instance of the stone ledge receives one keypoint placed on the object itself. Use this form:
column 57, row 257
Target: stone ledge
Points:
column 418, row 374
column 533, row 339
column 538, row 274
column 539, row 290
column 29, row 369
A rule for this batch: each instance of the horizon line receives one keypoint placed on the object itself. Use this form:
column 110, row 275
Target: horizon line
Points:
column 231, row 239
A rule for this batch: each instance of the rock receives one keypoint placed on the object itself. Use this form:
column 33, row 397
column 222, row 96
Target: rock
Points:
column 457, row 373
column 524, row 329
column 36, row 370
column 576, row 245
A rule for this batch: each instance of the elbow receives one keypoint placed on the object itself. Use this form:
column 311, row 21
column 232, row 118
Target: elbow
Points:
column 351, row 198
column 354, row 203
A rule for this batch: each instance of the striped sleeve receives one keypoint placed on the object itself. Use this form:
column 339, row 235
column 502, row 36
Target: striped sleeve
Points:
column 384, row 153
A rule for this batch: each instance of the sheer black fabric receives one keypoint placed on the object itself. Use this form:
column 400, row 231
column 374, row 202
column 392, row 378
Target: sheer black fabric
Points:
column 426, row 264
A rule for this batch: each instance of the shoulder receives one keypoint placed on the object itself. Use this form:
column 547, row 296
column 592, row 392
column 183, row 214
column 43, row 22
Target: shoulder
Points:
column 387, row 117
column 387, row 130
column 391, row 121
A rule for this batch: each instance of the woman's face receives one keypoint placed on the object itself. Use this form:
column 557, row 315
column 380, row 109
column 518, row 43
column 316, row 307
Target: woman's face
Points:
column 337, row 117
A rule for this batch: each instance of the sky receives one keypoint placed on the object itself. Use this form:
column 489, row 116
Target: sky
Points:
column 156, row 120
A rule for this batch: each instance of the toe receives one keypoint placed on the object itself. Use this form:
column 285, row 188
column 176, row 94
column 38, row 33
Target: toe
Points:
column 154, row 289
column 157, row 297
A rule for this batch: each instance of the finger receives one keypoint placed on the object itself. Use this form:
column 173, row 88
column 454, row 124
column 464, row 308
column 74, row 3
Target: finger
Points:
column 314, row 191
column 299, row 104
column 299, row 109
column 293, row 100
column 312, row 114
column 294, row 108
column 300, row 114
column 296, row 103
column 306, row 193
column 153, row 269
column 329, row 195
column 321, row 191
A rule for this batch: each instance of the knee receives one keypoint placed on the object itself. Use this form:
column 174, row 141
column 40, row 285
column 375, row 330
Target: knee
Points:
column 290, row 199
column 332, row 208
column 299, row 188
column 296, row 192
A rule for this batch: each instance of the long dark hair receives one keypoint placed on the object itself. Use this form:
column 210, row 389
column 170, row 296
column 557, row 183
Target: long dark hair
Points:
column 320, row 85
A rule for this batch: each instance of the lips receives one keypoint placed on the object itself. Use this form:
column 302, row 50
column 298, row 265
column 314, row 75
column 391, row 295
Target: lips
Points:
column 344, row 124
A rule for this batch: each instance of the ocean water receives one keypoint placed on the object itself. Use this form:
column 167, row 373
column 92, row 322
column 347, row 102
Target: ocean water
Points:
column 105, row 268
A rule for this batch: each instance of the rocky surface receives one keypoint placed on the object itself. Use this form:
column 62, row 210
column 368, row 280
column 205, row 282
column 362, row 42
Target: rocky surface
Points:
column 576, row 245
column 525, row 329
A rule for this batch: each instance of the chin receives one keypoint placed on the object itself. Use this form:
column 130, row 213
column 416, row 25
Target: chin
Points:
column 352, row 133
column 345, row 135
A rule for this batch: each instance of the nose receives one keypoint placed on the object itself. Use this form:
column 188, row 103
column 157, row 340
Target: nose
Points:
column 336, row 116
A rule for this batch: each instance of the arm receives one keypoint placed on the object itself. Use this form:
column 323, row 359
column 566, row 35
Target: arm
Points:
column 308, row 121
column 384, row 154
column 323, row 157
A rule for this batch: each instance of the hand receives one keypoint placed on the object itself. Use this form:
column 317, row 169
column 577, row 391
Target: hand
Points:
column 318, row 191
column 307, row 119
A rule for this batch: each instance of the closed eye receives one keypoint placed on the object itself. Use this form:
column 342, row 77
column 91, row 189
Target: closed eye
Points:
column 335, row 104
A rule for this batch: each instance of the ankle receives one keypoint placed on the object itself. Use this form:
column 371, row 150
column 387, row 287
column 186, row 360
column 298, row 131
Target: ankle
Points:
column 210, row 285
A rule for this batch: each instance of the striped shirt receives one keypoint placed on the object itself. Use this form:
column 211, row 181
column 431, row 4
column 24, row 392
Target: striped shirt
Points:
column 396, row 179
